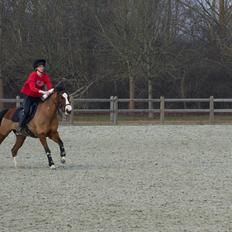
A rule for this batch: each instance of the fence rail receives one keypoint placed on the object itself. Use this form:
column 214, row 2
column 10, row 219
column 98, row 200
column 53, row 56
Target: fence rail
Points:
column 114, row 108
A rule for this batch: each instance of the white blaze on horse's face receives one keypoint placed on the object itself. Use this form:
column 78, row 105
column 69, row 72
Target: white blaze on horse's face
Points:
column 68, row 107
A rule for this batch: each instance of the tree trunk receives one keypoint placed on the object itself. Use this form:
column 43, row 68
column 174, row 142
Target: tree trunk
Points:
column 222, row 20
column 131, row 92
column 168, row 20
column 214, row 7
column 131, row 87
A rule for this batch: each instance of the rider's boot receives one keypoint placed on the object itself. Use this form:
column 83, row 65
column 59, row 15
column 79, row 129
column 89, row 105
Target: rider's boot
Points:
column 21, row 125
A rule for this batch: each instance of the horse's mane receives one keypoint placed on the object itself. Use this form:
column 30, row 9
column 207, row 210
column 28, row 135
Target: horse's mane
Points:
column 59, row 88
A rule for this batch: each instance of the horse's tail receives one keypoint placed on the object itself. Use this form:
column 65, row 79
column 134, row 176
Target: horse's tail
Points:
column 2, row 113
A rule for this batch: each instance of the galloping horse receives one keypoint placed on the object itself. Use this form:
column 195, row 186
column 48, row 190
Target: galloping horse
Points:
column 44, row 124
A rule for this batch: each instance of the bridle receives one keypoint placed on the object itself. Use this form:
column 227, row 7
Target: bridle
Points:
column 67, row 105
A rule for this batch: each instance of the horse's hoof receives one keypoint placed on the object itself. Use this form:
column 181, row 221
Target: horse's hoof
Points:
column 62, row 160
column 53, row 167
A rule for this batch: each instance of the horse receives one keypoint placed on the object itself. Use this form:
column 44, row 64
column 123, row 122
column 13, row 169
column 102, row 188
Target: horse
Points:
column 44, row 124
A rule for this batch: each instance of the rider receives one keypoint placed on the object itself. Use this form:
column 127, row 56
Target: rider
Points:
column 33, row 89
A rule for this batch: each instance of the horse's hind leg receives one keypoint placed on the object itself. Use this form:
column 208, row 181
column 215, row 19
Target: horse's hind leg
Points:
column 18, row 143
column 56, row 138
column 3, row 136
column 5, row 128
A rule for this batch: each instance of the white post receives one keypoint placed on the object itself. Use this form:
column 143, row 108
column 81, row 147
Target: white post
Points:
column 17, row 101
column 211, row 109
column 115, row 110
column 150, row 102
column 162, row 107
column 112, row 109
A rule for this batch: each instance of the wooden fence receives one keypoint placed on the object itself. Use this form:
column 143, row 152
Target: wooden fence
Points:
column 114, row 110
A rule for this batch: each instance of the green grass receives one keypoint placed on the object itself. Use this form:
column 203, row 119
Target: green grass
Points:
column 143, row 119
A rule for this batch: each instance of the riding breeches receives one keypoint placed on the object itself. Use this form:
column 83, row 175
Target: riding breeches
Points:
column 27, row 104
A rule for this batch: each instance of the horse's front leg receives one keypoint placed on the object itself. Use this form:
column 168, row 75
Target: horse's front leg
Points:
column 43, row 141
column 56, row 138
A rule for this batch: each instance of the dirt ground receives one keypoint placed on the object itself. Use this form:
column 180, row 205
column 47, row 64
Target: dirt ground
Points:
column 121, row 179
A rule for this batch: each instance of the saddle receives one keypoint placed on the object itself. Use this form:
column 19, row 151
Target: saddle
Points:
column 18, row 115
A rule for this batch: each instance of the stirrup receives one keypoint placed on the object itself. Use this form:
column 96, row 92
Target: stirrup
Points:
column 18, row 131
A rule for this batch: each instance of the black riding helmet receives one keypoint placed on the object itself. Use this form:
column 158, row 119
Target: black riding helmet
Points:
column 39, row 62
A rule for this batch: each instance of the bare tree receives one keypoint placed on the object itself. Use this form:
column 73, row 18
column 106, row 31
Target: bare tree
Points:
column 125, row 47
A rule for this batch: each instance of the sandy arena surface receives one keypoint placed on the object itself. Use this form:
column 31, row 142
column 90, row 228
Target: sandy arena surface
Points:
column 121, row 179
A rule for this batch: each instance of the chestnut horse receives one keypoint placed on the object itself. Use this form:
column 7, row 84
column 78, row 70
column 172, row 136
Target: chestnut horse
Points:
column 44, row 124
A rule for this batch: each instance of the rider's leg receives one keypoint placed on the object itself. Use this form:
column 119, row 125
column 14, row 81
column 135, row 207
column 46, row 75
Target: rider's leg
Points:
column 28, row 101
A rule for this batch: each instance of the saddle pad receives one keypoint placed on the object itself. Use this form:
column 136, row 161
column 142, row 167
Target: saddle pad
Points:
column 17, row 115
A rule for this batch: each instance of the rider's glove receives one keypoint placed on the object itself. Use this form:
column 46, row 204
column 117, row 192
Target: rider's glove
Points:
column 43, row 92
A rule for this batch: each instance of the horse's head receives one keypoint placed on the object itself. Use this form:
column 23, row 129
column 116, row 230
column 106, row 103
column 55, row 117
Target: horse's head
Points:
column 63, row 99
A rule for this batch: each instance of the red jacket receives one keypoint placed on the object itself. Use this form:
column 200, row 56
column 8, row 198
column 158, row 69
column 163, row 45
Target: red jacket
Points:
column 35, row 83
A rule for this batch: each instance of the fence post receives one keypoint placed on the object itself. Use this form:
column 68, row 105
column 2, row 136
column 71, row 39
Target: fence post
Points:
column 72, row 113
column 115, row 110
column 17, row 101
column 211, row 109
column 150, row 108
column 112, row 109
column 162, row 107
